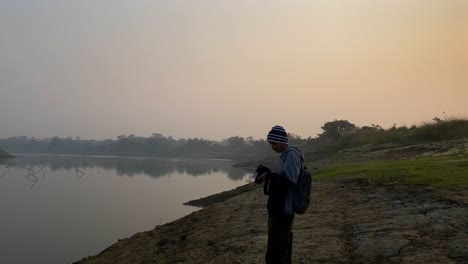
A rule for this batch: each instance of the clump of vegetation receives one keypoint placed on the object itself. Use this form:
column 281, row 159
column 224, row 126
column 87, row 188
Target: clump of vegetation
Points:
column 4, row 154
column 437, row 171
column 341, row 134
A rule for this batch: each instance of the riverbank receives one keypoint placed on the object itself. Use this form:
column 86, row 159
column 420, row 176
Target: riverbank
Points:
column 350, row 221
column 5, row 155
column 365, row 209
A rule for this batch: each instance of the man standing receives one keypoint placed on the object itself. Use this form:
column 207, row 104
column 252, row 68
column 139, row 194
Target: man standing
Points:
column 280, row 196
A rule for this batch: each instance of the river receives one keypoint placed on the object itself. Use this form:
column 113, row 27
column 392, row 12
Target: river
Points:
column 61, row 208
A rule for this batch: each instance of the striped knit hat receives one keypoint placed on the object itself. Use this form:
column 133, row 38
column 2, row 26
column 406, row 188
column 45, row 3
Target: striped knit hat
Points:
column 277, row 134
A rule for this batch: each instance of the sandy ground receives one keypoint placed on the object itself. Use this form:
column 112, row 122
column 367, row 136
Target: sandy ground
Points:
column 350, row 221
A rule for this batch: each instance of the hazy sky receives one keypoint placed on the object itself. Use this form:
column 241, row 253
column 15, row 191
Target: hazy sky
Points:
column 215, row 69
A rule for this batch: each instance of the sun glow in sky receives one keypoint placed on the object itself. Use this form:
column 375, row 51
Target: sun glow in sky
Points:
column 215, row 69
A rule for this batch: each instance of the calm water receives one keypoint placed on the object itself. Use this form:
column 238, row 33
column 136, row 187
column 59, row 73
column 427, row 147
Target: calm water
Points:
column 59, row 209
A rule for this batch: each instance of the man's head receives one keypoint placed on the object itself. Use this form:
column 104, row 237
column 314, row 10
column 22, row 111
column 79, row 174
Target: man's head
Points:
column 278, row 139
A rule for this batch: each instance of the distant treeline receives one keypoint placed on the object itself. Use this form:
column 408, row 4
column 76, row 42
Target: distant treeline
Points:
column 336, row 135
column 155, row 145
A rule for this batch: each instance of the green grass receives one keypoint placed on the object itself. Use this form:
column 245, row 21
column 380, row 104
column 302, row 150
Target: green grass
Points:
column 437, row 171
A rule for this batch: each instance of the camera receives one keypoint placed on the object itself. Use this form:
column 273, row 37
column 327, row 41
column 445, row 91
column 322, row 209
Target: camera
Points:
column 260, row 171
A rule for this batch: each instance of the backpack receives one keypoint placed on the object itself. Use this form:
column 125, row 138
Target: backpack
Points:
column 302, row 190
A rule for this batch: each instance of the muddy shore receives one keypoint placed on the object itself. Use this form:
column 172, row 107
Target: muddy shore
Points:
column 350, row 221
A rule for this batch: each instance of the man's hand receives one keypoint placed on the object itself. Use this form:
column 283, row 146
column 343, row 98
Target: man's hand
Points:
column 260, row 179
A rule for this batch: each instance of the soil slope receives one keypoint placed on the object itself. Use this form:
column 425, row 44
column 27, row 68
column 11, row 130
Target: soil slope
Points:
column 350, row 221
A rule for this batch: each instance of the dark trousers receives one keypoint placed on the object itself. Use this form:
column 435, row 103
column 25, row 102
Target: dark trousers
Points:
column 279, row 249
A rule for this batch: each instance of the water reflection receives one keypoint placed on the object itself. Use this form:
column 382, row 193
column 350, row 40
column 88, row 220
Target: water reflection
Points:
column 83, row 204
column 7, row 165
column 124, row 166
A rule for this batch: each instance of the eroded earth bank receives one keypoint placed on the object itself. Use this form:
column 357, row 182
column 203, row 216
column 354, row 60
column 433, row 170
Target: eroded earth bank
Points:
column 350, row 222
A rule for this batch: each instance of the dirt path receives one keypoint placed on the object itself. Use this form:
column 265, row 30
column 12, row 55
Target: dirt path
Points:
column 350, row 222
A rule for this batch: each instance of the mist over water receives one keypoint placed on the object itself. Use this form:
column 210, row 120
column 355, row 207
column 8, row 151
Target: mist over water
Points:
column 60, row 209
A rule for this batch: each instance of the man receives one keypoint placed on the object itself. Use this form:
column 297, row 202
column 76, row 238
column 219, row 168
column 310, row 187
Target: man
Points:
column 280, row 202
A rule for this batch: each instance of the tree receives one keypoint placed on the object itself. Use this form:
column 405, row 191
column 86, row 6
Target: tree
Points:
column 295, row 140
column 337, row 129
column 236, row 142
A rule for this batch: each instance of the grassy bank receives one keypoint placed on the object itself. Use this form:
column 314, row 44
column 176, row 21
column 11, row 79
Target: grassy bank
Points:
column 437, row 171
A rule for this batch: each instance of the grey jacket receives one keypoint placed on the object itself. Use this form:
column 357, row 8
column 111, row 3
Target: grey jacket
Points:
column 289, row 167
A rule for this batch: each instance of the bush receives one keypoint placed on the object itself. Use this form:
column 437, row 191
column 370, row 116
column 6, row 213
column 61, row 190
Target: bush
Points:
column 440, row 130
